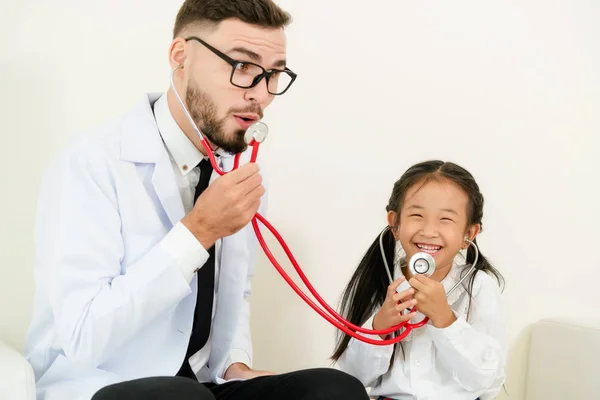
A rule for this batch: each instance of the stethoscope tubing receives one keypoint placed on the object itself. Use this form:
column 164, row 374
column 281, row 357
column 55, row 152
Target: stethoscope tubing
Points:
column 334, row 318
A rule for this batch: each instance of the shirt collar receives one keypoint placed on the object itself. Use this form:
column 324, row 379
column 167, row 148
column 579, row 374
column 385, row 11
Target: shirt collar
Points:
column 456, row 273
column 182, row 150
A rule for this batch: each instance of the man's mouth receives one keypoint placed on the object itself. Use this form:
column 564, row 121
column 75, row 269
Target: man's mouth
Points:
column 247, row 117
column 428, row 248
column 245, row 120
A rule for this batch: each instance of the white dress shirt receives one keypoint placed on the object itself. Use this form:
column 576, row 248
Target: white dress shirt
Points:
column 182, row 244
column 461, row 362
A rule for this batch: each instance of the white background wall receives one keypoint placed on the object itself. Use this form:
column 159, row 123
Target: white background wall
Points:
column 508, row 89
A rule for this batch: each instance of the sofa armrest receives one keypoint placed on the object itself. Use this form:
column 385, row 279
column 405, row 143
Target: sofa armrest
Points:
column 17, row 381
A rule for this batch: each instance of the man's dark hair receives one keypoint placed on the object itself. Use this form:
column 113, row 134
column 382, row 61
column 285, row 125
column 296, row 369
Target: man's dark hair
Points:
column 263, row 13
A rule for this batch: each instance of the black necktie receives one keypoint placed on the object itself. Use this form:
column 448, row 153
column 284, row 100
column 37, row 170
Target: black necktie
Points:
column 206, row 289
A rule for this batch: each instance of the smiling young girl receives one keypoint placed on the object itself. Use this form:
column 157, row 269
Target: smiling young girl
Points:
column 436, row 207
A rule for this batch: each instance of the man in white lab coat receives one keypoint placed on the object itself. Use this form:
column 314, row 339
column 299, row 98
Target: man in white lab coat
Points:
column 143, row 268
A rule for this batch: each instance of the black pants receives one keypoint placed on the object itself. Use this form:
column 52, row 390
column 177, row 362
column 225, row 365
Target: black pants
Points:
column 310, row 384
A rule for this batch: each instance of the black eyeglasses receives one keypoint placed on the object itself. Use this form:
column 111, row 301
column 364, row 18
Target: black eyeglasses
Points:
column 246, row 75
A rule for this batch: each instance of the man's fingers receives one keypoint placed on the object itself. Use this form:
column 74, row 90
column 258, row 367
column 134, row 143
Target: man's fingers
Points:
column 248, row 191
column 243, row 172
column 251, row 183
column 249, row 207
column 252, row 200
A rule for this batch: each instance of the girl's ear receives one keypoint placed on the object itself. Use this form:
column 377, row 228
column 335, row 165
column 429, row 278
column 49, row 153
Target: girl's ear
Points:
column 392, row 218
column 471, row 234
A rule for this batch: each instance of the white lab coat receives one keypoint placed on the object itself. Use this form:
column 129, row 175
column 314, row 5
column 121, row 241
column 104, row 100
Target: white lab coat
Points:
column 111, row 304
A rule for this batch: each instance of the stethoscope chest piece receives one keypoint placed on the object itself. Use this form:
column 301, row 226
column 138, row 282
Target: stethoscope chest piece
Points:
column 422, row 263
column 257, row 132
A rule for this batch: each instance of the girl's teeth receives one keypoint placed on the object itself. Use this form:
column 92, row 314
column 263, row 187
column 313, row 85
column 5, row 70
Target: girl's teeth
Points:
column 429, row 249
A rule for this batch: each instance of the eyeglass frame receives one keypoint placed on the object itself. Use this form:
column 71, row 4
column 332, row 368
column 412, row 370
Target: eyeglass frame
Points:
column 234, row 63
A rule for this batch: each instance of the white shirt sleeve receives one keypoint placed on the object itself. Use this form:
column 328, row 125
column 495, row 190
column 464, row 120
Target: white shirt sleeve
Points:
column 188, row 252
column 364, row 361
column 237, row 356
column 97, row 308
column 475, row 351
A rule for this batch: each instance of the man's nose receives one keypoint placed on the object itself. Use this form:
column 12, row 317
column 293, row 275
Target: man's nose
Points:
column 259, row 93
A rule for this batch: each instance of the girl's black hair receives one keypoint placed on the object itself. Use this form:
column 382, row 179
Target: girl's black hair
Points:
column 367, row 288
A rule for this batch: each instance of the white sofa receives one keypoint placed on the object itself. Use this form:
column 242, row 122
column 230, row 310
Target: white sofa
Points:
column 564, row 360
column 17, row 381
column 564, row 363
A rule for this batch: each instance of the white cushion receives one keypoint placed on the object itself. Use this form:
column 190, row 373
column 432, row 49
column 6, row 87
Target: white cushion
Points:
column 564, row 360
column 17, row 381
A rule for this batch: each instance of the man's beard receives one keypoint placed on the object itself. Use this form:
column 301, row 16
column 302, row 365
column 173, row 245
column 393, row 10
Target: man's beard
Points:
column 203, row 109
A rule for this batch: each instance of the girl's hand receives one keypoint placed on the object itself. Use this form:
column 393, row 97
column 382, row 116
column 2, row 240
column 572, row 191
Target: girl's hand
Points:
column 390, row 313
column 432, row 301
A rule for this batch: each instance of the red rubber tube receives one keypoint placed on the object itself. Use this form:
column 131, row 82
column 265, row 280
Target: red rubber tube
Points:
column 211, row 156
column 309, row 285
column 341, row 323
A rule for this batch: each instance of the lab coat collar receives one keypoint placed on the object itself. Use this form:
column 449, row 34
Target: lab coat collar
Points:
column 181, row 148
column 141, row 141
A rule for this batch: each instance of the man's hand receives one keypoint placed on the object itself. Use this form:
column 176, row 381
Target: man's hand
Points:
column 241, row 371
column 226, row 206
column 432, row 301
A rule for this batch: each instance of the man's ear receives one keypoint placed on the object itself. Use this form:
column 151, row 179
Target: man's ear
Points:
column 177, row 52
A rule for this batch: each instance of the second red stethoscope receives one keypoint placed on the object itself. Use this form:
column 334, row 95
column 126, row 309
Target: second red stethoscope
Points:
column 419, row 263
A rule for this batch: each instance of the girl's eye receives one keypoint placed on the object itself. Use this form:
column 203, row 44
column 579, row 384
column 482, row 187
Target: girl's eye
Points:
column 447, row 219
column 416, row 215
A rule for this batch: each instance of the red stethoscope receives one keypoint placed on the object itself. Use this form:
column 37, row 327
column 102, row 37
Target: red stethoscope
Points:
column 254, row 136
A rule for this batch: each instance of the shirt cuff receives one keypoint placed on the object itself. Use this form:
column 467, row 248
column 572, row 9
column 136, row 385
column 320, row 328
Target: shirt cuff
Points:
column 369, row 325
column 376, row 356
column 449, row 334
column 236, row 356
column 185, row 249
